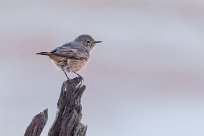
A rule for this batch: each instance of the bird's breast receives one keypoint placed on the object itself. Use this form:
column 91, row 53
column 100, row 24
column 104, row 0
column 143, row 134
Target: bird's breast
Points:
column 76, row 65
column 69, row 65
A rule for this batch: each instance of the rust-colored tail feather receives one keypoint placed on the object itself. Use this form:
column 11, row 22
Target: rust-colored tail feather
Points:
column 44, row 53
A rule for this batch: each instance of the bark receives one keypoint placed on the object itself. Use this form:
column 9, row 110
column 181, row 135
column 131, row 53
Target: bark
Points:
column 37, row 124
column 68, row 117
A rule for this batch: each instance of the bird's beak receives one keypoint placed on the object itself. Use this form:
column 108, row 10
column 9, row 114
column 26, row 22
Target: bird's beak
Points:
column 97, row 41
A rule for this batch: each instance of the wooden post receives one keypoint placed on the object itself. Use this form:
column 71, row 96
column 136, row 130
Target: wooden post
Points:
column 37, row 124
column 67, row 122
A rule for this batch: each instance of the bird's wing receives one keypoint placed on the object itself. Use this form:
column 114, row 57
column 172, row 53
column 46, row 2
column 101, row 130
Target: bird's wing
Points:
column 71, row 53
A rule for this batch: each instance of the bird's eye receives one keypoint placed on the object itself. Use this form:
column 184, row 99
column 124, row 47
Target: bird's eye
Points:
column 87, row 41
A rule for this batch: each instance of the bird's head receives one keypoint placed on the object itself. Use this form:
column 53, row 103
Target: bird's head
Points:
column 87, row 41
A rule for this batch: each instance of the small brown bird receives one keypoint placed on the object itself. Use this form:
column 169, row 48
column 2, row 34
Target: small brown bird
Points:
column 72, row 56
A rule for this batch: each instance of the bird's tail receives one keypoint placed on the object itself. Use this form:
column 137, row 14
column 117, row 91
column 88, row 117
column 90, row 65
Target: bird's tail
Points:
column 44, row 53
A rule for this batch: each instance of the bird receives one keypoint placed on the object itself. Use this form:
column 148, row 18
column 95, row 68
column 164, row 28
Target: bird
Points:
column 72, row 56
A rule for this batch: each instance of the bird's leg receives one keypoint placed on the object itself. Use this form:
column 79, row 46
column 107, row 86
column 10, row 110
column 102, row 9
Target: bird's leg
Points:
column 65, row 74
column 79, row 75
column 62, row 67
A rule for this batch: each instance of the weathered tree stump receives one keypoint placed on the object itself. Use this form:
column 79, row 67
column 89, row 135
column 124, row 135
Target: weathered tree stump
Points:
column 67, row 122
column 37, row 124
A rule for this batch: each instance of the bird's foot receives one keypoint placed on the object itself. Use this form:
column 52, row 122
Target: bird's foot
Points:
column 79, row 77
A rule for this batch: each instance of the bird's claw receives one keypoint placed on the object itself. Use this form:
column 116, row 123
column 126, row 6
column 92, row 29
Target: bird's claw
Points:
column 81, row 79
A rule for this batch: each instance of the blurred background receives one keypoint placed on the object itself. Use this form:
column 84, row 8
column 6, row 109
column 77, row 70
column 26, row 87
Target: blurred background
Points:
column 146, row 78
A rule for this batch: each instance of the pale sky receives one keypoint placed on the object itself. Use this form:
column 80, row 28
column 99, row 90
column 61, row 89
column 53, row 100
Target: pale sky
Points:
column 146, row 78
